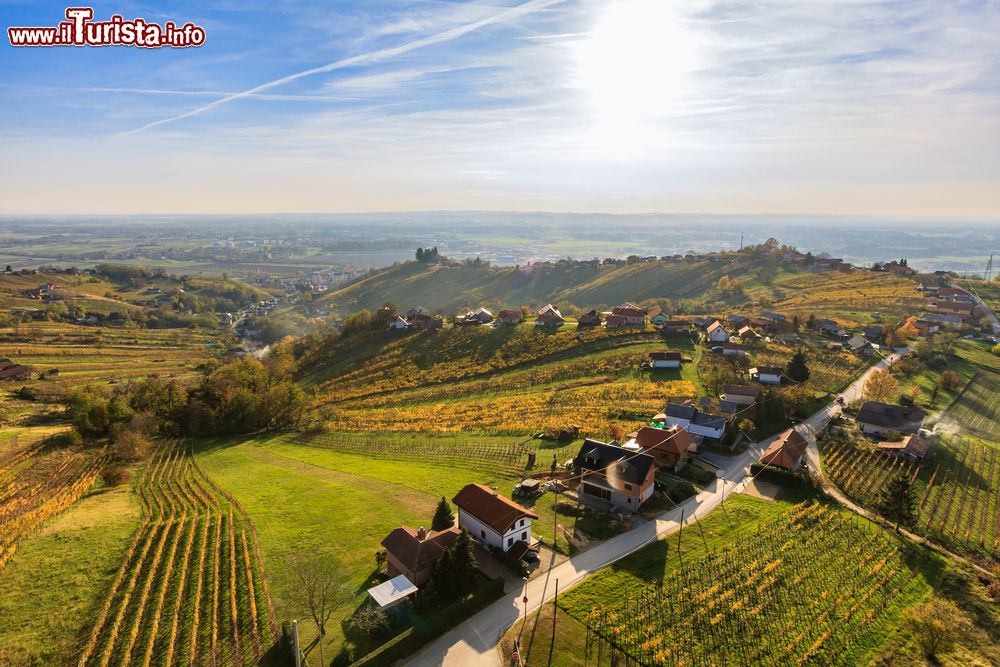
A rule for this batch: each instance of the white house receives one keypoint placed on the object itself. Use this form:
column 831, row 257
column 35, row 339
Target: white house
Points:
column 491, row 518
column 665, row 359
column 741, row 394
column 767, row 374
column 708, row 425
column 679, row 415
column 398, row 323
column 717, row 333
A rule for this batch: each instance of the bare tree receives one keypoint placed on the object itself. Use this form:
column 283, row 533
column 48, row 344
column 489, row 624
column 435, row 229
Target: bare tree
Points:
column 317, row 590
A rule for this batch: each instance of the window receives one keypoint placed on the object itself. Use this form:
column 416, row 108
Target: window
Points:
column 510, row 541
column 482, row 534
column 524, row 536
column 629, row 501
column 628, row 487
column 520, row 523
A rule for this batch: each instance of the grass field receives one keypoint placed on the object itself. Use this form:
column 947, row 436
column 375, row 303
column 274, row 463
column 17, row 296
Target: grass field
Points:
column 977, row 408
column 53, row 587
column 304, row 493
column 958, row 496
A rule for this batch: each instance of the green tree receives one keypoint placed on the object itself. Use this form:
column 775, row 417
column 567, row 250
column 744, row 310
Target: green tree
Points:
column 456, row 571
column 935, row 626
column 798, row 370
column 895, row 501
column 444, row 518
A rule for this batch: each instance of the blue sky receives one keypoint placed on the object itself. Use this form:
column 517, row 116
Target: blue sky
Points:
column 826, row 106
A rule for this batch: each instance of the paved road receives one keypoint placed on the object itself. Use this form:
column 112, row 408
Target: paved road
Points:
column 474, row 642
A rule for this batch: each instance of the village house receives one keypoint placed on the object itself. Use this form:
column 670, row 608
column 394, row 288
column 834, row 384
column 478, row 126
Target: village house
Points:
column 737, row 321
column 491, row 518
column 770, row 315
column 674, row 326
column 630, row 314
column 763, row 324
column 832, row 329
column 669, row 447
column 549, row 316
column 859, row 346
column 949, row 321
column 666, row 359
column 734, row 349
column 747, row 334
column 912, row 448
column 877, row 418
column 787, row 451
column 656, row 316
column 397, row 323
column 510, row 316
column 481, row 315
column 925, row 329
column 703, row 322
column 897, row 269
column 615, row 475
column 426, row 321
column 741, row 394
column 716, row 332
column 11, row 371
column 419, row 310
column 591, row 318
column 693, row 420
column 767, row 374
column 412, row 552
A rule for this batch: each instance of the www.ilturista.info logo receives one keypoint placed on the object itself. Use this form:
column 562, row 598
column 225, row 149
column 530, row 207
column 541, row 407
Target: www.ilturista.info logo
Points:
column 81, row 30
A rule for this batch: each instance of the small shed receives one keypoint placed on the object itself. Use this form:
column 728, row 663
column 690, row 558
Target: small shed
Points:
column 390, row 593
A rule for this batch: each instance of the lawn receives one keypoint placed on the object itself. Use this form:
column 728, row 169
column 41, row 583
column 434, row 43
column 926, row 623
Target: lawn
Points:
column 53, row 587
column 309, row 496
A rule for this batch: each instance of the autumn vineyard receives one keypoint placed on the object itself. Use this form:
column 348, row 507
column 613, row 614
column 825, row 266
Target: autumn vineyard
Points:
column 191, row 587
column 801, row 592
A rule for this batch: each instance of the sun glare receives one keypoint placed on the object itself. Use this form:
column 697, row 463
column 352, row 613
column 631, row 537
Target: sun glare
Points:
column 634, row 68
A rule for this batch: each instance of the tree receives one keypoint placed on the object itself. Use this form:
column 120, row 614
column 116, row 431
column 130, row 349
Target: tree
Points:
column 455, row 572
column 895, row 501
column 935, row 626
column 797, row 368
column 949, row 380
column 420, row 254
column 796, row 325
column 616, row 432
column 811, row 321
column 881, row 386
column 316, row 589
column 444, row 518
column 908, row 329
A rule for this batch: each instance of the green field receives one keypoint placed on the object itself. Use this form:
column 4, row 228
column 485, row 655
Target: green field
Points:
column 977, row 408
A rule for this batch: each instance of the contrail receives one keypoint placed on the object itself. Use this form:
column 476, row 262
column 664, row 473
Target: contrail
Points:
column 363, row 58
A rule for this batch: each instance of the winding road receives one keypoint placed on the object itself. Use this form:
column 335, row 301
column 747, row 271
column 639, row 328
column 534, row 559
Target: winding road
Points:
column 474, row 642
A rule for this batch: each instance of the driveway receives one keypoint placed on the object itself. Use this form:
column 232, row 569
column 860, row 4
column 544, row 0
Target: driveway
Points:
column 474, row 642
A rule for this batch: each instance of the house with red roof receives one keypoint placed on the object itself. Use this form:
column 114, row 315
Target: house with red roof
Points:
column 413, row 552
column 493, row 519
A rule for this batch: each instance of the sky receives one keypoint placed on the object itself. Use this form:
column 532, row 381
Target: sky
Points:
column 620, row 106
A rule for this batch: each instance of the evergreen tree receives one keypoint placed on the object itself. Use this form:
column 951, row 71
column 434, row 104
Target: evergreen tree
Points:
column 456, row 570
column 420, row 254
column 895, row 501
column 444, row 518
column 442, row 574
column 797, row 368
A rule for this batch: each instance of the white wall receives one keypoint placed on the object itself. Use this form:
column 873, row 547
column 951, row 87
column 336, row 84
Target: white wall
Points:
column 476, row 529
column 661, row 363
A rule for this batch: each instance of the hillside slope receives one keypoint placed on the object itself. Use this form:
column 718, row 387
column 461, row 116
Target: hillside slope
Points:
column 688, row 286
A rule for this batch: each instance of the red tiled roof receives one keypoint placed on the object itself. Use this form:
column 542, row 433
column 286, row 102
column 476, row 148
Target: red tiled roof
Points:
column 496, row 511
column 674, row 440
column 786, row 451
column 416, row 554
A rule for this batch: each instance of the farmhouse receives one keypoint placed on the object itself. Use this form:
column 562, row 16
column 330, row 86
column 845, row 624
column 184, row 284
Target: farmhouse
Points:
column 678, row 415
column 413, row 552
column 510, row 316
column 774, row 317
column 549, row 316
column 859, row 346
column 668, row 447
column 737, row 321
column 481, row 315
column 733, row 350
column 786, row 451
column 615, row 475
column 747, row 334
column 397, row 323
column 425, row 321
column 656, row 316
column 716, row 332
column 912, row 448
column 674, row 326
column 665, row 359
column 767, row 374
column 419, row 310
column 898, row 269
column 878, row 418
column 630, row 314
column 693, row 420
column 491, row 518
column 591, row 318
column 741, row 394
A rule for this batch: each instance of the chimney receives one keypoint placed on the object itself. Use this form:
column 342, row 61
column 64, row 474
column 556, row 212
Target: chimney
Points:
column 421, row 534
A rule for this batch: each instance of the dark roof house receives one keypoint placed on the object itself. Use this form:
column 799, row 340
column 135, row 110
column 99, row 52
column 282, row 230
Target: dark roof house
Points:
column 875, row 416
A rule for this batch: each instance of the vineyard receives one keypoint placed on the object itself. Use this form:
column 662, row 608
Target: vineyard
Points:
column 36, row 483
column 977, row 408
column 958, row 495
column 191, row 588
column 812, row 589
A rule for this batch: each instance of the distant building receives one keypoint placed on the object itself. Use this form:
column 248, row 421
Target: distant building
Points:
column 716, row 332
column 665, row 359
column 510, row 317
column 591, row 318
column 549, row 316
column 767, row 374
column 741, row 394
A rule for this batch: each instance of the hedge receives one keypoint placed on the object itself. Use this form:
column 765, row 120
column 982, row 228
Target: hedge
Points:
column 413, row 639
column 777, row 475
